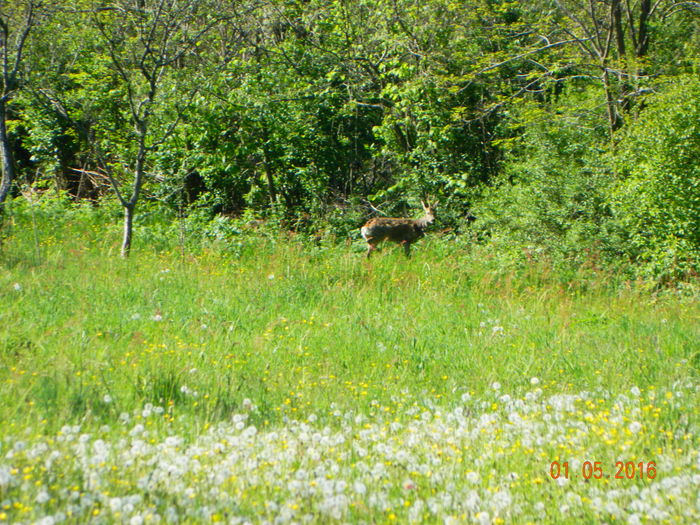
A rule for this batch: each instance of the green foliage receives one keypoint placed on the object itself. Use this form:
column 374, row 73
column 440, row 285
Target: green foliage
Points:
column 221, row 319
column 658, row 196
column 551, row 201
column 296, row 113
column 439, row 368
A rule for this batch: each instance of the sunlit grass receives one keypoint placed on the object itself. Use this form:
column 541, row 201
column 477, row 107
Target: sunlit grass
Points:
column 464, row 382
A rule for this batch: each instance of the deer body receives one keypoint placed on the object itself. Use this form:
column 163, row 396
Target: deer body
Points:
column 403, row 231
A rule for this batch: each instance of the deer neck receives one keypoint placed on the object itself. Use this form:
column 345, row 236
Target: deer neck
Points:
column 424, row 222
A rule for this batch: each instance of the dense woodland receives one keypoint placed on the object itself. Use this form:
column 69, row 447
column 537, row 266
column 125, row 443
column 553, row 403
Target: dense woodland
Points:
column 570, row 130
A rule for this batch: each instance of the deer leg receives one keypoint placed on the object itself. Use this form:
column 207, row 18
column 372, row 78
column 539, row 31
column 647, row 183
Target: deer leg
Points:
column 370, row 249
column 407, row 248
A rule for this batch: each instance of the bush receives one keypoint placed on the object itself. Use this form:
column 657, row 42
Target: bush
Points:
column 657, row 197
column 551, row 202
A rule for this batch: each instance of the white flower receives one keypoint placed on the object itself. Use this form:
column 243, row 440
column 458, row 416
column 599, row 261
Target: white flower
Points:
column 17, row 287
column 42, row 497
column 635, row 391
column 534, row 381
column 483, row 518
column 612, row 508
column 5, row 476
column 107, row 398
column 359, row 488
column 409, row 484
column 157, row 317
column 635, row 427
column 496, row 385
column 502, row 499
column 515, row 418
column 466, row 397
column 633, row 519
column 271, row 276
column 472, row 500
column 473, row 477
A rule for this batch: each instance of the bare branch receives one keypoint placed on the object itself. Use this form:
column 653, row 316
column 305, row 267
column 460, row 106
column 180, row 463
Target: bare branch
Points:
column 680, row 6
column 375, row 210
column 575, row 40
column 598, row 38
column 108, row 173
column 22, row 38
column 588, row 36
column 117, row 63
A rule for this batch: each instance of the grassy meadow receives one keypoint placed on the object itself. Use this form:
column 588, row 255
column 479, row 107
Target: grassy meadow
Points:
column 267, row 379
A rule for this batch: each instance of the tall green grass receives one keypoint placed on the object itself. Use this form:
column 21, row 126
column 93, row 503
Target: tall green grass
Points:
column 299, row 327
column 311, row 331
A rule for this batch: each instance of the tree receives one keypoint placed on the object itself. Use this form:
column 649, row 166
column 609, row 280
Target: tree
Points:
column 149, row 44
column 17, row 19
column 617, row 36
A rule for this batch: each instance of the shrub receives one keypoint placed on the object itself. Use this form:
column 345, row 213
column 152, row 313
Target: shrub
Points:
column 657, row 197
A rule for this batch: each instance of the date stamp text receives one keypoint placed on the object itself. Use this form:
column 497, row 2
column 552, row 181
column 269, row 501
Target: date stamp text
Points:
column 596, row 470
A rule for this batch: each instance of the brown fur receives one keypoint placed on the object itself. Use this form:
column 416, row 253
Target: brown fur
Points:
column 403, row 231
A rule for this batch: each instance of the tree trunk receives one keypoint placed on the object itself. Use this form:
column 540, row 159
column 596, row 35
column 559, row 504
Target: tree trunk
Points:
column 616, row 8
column 269, row 176
column 128, row 229
column 614, row 119
column 130, row 205
column 8, row 167
column 643, row 39
column 267, row 165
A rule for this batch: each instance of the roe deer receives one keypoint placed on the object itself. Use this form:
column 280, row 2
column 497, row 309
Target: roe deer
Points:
column 400, row 230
